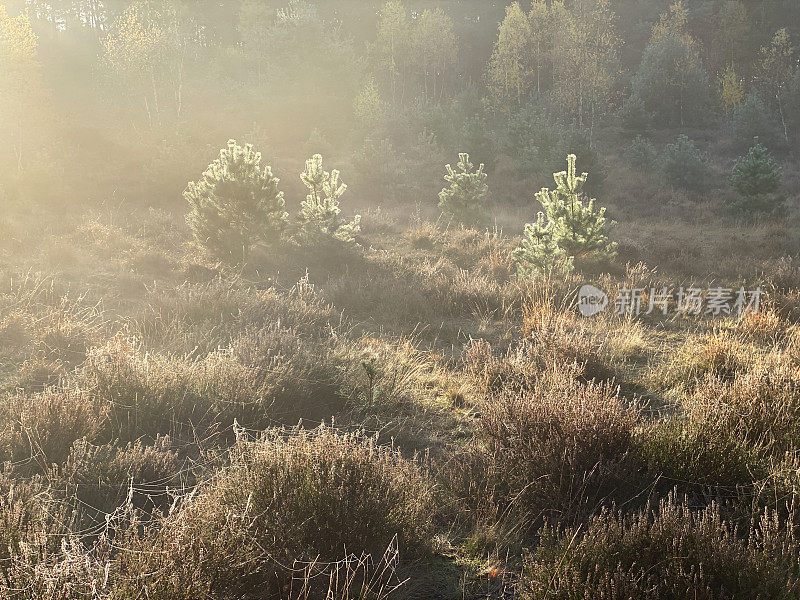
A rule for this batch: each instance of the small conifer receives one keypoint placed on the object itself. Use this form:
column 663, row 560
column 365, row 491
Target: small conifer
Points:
column 235, row 203
column 462, row 200
column 320, row 214
column 568, row 229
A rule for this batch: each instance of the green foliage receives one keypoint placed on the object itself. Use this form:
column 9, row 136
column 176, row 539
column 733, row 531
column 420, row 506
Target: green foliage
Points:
column 320, row 214
column 462, row 200
column 641, row 153
column 540, row 252
column 572, row 229
column 672, row 83
column 235, row 203
column 751, row 120
column 539, row 143
column 683, row 165
column 756, row 178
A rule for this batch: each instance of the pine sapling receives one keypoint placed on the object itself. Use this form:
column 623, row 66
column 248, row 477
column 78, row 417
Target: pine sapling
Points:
column 462, row 200
column 320, row 214
column 756, row 178
column 236, row 203
column 568, row 229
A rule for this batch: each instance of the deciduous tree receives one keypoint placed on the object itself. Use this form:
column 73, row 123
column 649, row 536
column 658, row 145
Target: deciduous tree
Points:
column 775, row 71
column 509, row 74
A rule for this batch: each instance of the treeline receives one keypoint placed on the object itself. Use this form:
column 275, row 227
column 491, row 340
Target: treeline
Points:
column 394, row 86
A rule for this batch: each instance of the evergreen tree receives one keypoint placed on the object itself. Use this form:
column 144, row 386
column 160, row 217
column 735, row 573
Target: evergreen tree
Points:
column 751, row 120
column 540, row 252
column 462, row 200
column 320, row 214
column 756, row 178
column 236, row 203
column 568, row 229
column 683, row 165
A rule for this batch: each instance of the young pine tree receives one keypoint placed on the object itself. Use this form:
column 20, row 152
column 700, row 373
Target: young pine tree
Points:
column 236, row 203
column 756, row 178
column 320, row 215
column 462, row 200
column 568, row 229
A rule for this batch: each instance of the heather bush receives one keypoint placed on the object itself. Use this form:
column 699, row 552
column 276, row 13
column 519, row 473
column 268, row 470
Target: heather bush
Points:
column 107, row 476
column 557, row 451
column 698, row 455
column 39, row 429
column 250, row 522
column 200, row 318
column 269, row 375
column 669, row 552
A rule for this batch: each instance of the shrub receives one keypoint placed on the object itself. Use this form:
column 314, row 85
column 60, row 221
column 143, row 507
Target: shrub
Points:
column 300, row 496
column 266, row 375
column 462, row 200
column 573, row 230
column 41, row 428
column 641, row 153
column 320, row 215
column 104, row 476
column 672, row 552
column 698, row 453
column 236, row 203
column 684, row 166
column 756, row 178
column 556, row 451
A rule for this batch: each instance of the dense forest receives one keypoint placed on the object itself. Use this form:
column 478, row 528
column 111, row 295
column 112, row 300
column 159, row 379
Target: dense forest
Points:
column 356, row 300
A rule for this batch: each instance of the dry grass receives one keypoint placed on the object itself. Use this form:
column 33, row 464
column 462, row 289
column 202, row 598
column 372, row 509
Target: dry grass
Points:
column 125, row 477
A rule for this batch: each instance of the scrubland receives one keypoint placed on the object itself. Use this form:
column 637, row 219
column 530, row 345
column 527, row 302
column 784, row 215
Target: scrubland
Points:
column 404, row 417
column 384, row 398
